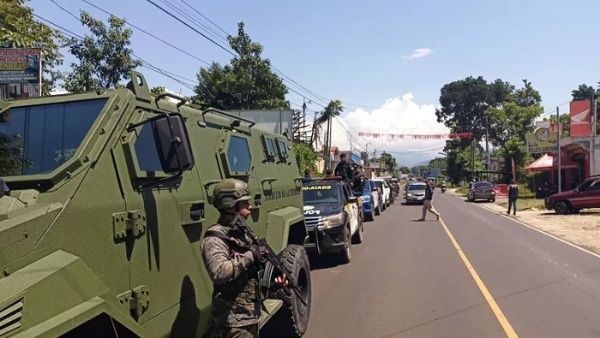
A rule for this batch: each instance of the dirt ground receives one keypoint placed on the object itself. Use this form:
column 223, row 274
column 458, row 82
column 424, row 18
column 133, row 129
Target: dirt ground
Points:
column 581, row 229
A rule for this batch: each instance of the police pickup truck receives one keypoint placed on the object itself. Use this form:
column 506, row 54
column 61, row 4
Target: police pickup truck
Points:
column 333, row 217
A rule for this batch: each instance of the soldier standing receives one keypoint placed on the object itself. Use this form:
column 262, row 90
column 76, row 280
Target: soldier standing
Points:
column 232, row 261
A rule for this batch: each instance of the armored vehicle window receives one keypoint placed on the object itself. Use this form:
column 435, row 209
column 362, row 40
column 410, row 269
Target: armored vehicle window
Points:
column 38, row 139
column 145, row 150
column 282, row 149
column 238, row 154
column 269, row 147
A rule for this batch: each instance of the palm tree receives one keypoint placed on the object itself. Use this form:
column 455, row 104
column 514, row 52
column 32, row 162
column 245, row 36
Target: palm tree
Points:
column 333, row 109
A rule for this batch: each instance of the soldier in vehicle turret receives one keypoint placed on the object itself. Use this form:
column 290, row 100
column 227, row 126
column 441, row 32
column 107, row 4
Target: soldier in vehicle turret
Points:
column 232, row 261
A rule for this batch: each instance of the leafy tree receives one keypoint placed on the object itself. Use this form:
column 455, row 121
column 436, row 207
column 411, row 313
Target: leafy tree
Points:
column 364, row 156
column 11, row 155
column 247, row 83
column 584, row 92
column 526, row 96
column 565, row 120
column 305, row 156
column 512, row 121
column 404, row 170
column 438, row 162
column 104, row 58
column 464, row 104
column 157, row 90
column 334, row 108
column 389, row 162
column 18, row 29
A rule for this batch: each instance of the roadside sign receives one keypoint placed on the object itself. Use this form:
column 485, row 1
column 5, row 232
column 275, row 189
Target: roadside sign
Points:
column 20, row 72
column 542, row 140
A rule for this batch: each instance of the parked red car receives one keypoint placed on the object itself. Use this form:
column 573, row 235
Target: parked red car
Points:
column 586, row 195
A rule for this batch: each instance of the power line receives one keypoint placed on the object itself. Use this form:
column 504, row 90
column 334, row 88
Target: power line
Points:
column 145, row 64
column 181, row 12
column 190, row 27
column 286, row 78
column 205, row 17
column 148, row 33
column 64, row 30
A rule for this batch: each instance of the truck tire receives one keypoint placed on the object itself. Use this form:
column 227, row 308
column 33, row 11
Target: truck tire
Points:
column 358, row 236
column 294, row 316
column 378, row 211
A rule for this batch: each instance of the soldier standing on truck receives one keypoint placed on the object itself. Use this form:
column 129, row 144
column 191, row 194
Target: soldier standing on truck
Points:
column 233, row 261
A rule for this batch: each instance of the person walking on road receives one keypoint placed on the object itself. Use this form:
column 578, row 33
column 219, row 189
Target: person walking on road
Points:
column 513, row 195
column 427, row 206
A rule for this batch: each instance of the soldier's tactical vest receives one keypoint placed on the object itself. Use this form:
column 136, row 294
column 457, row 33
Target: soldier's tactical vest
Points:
column 236, row 303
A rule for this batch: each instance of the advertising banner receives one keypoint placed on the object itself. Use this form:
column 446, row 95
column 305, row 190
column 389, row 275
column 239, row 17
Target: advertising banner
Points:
column 19, row 65
column 542, row 140
column 20, row 72
column 581, row 118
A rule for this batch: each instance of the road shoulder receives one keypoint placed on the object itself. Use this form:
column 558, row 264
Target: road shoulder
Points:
column 581, row 230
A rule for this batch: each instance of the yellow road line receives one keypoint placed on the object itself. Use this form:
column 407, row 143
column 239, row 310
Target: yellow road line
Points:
column 510, row 332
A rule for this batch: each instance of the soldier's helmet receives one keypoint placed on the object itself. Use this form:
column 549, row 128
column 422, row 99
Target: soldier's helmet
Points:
column 228, row 192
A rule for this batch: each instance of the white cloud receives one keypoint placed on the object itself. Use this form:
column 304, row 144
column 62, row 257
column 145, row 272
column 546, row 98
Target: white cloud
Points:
column 395, row 116
column 419, row 53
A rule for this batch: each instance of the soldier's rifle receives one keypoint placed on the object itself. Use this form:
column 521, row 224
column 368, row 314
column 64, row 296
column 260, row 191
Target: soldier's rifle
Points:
column 269, row 255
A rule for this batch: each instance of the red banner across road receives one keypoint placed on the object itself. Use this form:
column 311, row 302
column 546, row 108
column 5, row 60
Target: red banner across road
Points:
column 418, row 136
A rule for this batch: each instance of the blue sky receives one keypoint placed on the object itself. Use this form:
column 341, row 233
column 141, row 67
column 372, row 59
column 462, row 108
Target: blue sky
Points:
column 357, row 50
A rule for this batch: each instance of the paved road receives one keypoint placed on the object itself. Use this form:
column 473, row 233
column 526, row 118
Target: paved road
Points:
column 408, row 280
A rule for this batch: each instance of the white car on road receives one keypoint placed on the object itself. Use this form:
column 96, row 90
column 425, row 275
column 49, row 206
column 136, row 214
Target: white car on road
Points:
column 387, row 191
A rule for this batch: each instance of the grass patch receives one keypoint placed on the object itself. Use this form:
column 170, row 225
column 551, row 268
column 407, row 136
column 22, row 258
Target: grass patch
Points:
column 462, row 190
column 525, row 204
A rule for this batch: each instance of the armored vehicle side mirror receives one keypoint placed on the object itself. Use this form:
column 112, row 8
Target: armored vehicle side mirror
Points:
column 173, row 144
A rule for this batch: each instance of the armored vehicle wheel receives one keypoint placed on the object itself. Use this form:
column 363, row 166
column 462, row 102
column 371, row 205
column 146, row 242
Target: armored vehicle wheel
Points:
column 294, row 317
column 561, row 208
column 370, row 217
column 358, row 236
column 346, row 254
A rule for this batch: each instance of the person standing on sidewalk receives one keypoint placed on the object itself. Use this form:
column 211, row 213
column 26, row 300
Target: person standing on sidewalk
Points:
column 513, row 195
column 427, row 206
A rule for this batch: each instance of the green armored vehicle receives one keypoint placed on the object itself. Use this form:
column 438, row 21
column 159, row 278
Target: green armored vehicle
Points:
column 105, row 200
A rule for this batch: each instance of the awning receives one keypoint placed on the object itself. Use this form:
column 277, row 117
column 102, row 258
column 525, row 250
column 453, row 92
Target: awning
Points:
column 546, row 162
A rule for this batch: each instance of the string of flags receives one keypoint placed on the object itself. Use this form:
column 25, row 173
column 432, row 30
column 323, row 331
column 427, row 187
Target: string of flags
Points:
column 462, row 135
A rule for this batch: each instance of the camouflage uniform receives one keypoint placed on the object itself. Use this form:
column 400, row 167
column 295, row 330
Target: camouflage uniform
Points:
column 231, row 266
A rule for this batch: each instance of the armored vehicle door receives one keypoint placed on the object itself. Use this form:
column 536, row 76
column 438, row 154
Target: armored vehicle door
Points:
column 166, row 211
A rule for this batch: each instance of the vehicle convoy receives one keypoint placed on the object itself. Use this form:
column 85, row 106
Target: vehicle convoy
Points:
column 381, row 201
column 387, row 192
column 481, row 191
column 586, row 195
column 333, row 217
column 369, row 196
column 109, row 199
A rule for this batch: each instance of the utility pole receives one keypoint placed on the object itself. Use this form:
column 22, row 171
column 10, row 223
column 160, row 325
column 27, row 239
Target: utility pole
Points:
column 594, row 133
column 558, row 147
column 473, row 158
column 487, row 153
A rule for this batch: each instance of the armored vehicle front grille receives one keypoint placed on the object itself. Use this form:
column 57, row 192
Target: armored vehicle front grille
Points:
column 10, row 317
column 313, row 222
